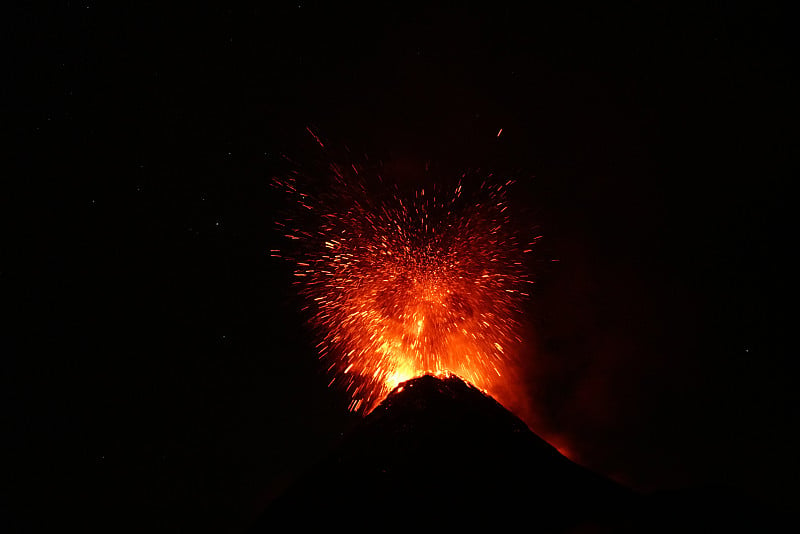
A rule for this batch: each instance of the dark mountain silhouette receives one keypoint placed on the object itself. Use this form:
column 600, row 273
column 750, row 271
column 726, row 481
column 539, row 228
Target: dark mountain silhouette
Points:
column 438, row 454
column 441, row 450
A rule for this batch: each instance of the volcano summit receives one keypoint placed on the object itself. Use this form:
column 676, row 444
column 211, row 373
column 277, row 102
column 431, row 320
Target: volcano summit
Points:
column 441, row 449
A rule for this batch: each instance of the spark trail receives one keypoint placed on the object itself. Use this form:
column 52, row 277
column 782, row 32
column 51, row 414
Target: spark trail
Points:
column 403, row 285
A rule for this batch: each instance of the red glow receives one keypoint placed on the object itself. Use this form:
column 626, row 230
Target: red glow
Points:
column 399, row 287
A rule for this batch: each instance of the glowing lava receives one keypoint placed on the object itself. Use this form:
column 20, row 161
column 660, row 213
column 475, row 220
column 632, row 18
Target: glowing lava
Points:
column 400, row 287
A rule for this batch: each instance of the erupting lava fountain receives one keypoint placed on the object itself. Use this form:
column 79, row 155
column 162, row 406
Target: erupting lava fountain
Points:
column 399, row 286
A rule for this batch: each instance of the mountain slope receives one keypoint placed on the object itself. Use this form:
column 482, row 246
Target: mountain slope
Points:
column 441, row 450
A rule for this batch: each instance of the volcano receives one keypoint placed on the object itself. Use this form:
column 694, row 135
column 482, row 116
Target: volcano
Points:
column 440, row 455
column 440, row 449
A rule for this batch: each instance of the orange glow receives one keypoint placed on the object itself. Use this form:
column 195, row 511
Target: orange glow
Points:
column 400, row 287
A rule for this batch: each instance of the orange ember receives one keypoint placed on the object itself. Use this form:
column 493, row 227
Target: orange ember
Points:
column 403, row 287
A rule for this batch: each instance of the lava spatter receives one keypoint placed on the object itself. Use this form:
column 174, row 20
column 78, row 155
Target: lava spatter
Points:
column 403, row 285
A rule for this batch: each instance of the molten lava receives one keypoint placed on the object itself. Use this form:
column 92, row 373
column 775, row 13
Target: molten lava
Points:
column 399, row 287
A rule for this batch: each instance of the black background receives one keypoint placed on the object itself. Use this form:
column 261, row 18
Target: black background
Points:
column 156, row 370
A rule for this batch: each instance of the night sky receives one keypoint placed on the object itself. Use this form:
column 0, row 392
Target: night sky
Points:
column 156, row 371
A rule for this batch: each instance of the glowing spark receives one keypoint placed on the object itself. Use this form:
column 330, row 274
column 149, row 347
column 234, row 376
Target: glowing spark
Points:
column 400, row 287
column 315, row 137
